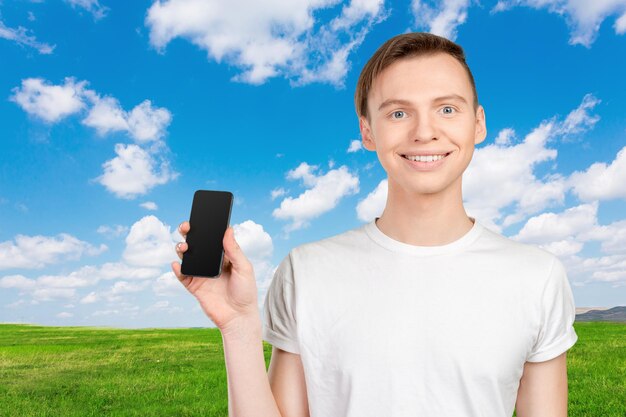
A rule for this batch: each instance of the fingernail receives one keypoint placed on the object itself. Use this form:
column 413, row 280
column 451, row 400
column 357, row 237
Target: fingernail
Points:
column 178, row 245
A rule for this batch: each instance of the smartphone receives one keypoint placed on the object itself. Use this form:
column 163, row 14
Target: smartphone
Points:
column 209, row 219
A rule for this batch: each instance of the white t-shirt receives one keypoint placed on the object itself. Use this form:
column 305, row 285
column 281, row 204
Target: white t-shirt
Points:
column 389, row 329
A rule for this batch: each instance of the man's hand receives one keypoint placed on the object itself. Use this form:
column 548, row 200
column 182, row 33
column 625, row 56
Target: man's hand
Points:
column 230, row 296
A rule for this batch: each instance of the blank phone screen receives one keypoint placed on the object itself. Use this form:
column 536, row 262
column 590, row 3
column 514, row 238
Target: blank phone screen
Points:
column 210, row 214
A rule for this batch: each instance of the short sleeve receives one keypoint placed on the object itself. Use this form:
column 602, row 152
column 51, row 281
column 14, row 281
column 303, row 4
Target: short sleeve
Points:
column 279, row 319
column 558, row 312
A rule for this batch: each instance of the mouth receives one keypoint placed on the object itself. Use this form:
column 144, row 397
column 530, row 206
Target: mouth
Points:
column 426, row 159
column 430, row 163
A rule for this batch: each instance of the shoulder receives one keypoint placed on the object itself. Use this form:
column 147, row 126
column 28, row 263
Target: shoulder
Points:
column 526, row 256
column 337, row 245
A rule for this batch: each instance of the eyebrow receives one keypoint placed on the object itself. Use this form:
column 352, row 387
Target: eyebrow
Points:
column 407, row 103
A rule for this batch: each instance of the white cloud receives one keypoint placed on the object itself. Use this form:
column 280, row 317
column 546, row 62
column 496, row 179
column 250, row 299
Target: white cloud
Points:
column 373, row 204
column 168, row 285
column 164, row 306
column 52, row 294
column 38, row 251
column 514, row 164
column 272, row 38
column 119, row 270
column 620, row 25
column 565, row 235
column 355, row 145
column 149, row 247
column 564, row 247
column 579, row 119
column 124, row 287
column 440, row 17
column 255, row 242
column 149, row 205
column 495, row 165
column 65, row 315
column 112, row 231
column 335, row 64
column 584, row 18
column 64, row 286
column 552, row 227
column 126, row 309
column 304, row 171
column 106, row 115
column 149, row 243
column 278, row 192
column 258, row 247
column 601, row 181
column 21, row 37
column 133, row 172
column 17, row 281
column 89, row 298
column 92, row 6
column 105, row 313
column 144, row 123
column 16, row 304
column 505, row 137
column 85, row 277
column 49, row 102
column 612, row 236
column 324, row 195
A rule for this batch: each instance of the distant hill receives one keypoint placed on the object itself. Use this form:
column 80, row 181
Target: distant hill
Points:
column 612, row 314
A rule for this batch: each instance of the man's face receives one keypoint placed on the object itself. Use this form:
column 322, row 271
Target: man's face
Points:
column 423, row 105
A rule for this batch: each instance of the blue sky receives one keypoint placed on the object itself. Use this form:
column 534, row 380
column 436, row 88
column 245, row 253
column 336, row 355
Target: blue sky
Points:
column 114, row 113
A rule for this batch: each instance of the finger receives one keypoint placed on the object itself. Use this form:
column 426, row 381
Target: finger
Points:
column 233, row 251
column 184, row 279
column 181, row 247
column 227, row 263
column 183, row 228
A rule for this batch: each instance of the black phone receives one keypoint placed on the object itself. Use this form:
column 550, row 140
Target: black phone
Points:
column 209, row 219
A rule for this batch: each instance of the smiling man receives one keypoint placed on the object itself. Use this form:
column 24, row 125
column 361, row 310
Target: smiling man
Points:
column 422, row 311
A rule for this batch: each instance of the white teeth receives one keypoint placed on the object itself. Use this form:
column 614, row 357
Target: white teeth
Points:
column 429, row 158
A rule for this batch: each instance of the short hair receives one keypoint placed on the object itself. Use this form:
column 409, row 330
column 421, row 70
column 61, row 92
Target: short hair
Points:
column 405, row 46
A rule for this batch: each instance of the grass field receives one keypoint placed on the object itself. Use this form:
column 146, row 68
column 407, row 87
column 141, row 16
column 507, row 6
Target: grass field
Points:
column 83, row 371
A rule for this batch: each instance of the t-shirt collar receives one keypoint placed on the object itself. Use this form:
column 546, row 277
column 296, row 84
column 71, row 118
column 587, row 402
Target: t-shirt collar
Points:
column 396, row 246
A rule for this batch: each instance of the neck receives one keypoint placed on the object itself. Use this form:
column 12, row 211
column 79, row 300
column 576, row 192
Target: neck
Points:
column 424, row 219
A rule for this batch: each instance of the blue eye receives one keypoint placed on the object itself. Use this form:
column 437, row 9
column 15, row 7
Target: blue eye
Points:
column 397, row 114
column 449, row 107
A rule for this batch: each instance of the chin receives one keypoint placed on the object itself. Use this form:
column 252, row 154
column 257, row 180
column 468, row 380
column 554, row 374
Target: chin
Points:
column 420, row 189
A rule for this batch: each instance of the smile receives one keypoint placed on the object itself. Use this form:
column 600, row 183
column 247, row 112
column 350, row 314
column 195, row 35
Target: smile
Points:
column 425, row 162
column 425, row 158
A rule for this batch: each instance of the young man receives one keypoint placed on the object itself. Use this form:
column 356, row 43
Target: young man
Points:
column 420, row 312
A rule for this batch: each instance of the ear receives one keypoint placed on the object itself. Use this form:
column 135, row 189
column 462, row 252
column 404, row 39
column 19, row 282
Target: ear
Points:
column 366, row 134
column 481, row 126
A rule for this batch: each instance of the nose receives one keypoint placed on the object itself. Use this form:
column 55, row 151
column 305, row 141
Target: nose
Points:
column 423, row 129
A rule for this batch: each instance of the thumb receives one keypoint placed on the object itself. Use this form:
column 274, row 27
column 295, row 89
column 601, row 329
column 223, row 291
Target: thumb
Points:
column 233, row 250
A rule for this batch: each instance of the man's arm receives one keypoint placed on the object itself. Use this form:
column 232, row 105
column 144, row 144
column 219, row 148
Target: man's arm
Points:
column 286, row 376
column 249, row 391
column 543, row 389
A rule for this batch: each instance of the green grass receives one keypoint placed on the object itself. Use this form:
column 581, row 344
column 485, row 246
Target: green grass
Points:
column 83, row 371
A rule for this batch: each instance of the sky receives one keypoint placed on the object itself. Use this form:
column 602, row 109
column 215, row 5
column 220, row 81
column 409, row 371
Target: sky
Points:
column 114, row 113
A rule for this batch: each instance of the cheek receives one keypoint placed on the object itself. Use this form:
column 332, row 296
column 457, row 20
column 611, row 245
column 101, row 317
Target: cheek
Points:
column 390, row 134
column 456, row 129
